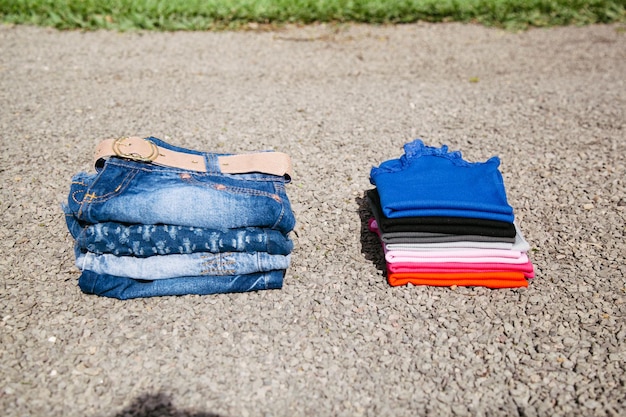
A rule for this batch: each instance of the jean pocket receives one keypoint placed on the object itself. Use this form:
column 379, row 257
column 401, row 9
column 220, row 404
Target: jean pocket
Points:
column 244, row 188
column 89, row 190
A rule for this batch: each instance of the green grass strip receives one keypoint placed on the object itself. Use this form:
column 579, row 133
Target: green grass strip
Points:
column 171, row 15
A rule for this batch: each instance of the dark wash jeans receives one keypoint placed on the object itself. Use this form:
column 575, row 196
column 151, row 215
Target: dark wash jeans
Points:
column 126, row 288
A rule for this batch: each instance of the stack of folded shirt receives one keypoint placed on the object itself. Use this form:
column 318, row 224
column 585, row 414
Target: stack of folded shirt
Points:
column 444, row 221
column 158, row 220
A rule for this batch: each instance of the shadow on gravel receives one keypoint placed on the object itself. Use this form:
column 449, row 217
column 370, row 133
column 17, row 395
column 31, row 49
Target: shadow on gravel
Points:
column 370, row 244
column 158, row 405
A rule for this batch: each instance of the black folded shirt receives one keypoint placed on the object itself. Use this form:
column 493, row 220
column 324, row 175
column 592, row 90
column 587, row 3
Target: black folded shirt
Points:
column 437, row 224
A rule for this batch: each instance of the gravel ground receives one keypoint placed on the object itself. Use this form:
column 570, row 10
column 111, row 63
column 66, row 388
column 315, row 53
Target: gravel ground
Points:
column 336, row 340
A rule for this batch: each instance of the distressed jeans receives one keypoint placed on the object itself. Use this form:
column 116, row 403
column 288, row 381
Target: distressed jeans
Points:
column 142, row 240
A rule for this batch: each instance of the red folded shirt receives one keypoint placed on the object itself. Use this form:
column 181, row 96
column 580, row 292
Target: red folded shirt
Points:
column 468, row 279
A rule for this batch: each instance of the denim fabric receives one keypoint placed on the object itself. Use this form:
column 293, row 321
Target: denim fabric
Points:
column 127, row 288
column 172, row 266
column 429, row 181
column 141, row 193
column 146, row 240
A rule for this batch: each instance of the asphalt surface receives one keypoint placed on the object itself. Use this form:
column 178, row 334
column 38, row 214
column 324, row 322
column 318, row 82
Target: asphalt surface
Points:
column 337, row 340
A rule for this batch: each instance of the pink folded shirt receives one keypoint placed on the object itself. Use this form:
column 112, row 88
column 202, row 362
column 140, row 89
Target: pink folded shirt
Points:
column 454, row 267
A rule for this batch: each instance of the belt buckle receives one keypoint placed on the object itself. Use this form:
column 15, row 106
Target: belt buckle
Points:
column 138, row 153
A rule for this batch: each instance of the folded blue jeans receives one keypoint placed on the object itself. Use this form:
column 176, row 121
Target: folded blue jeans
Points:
column 428, row 181
column 147, row 240
column 135, row 192
column 126, row 288
column 171, row 266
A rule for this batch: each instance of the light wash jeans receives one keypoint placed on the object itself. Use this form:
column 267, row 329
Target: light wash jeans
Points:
column 172, row 266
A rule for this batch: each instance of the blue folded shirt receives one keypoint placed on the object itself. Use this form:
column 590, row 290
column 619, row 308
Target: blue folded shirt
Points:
column 428, row 181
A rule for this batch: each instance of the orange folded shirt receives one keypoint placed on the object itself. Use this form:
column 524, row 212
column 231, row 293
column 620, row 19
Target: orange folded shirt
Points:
column 466, row 279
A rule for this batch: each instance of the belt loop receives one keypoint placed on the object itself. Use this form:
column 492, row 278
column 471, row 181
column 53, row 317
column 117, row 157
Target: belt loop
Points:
column 212, row 163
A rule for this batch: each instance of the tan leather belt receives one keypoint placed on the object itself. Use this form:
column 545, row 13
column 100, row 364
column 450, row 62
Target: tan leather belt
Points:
column 144, row 150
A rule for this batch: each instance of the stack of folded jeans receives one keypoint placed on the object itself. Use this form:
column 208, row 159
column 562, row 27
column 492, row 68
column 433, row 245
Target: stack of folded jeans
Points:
column 444, row 221
column 158, row 220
